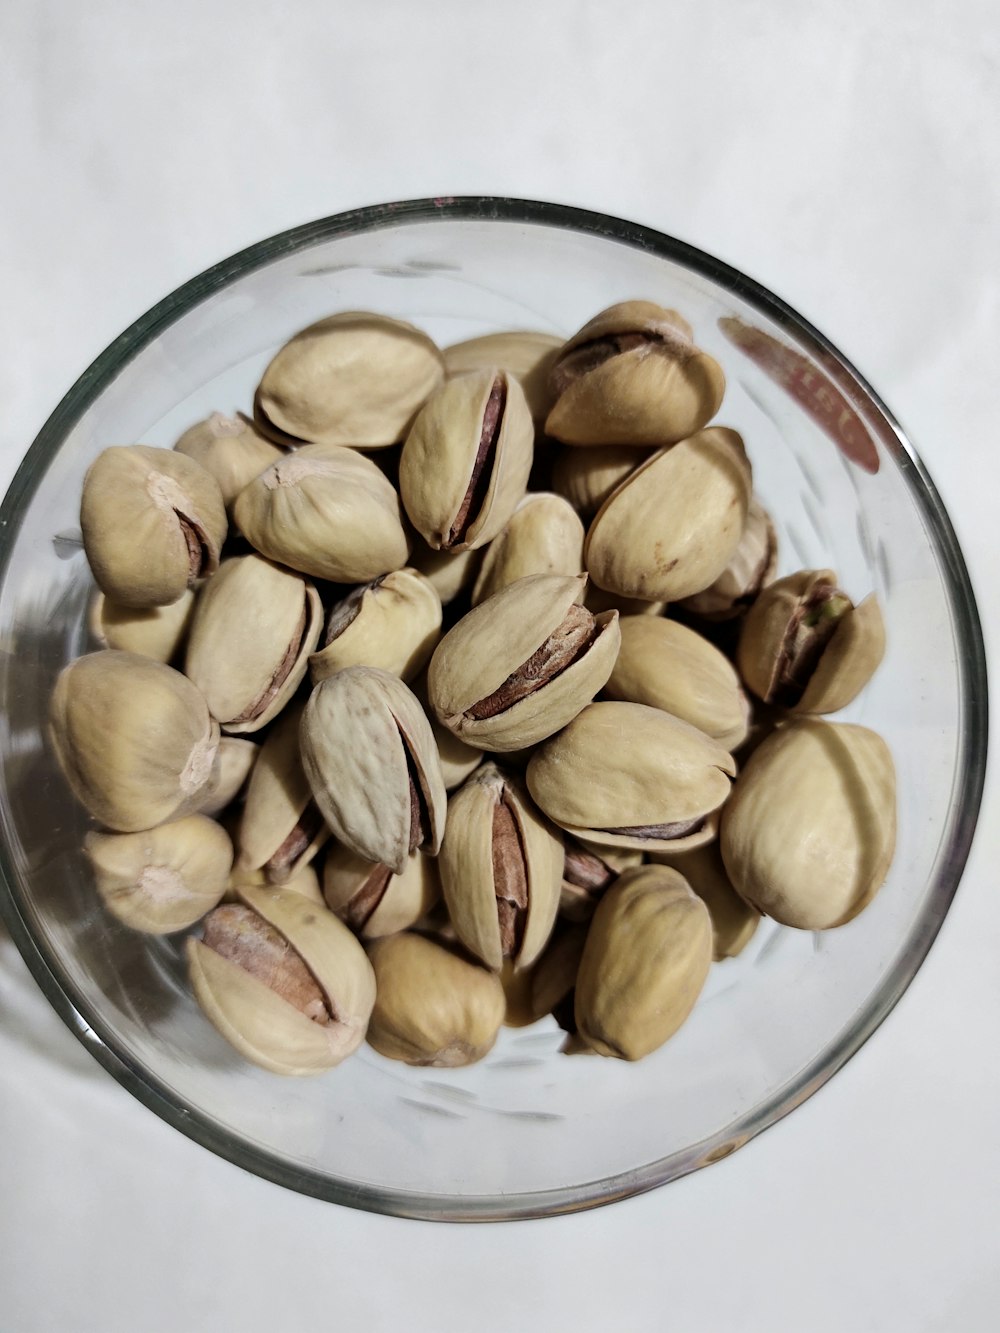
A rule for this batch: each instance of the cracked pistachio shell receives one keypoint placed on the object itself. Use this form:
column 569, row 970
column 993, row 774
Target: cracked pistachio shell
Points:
column 501, row 869
column 805, row 647
column 355, row 379
column 500, row 679
column 134, row 739
column 627, row 775
column 371, row 899
column 671, row 527
column 369, row 754
column 586, row 477
column 162, row 879
column 393, row 623
column 666, row 665
column 632, row 375
column 253, row 630
column 734, row 921
column 304, row 881
column 433, row 1007
column 153, row 523
column 233, row 762
column 810, row 830
column 751, row 567
column 588, row 873
column 544, row 536
column 326, row 511
column 528, row 356
column 465, row 463
column 231, row 448
column 265, row 1027
column 280, row 829
column 645, row 962
column 154, row 631
column 448, row 572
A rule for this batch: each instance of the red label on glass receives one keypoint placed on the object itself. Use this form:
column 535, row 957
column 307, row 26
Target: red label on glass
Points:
column 810, row 388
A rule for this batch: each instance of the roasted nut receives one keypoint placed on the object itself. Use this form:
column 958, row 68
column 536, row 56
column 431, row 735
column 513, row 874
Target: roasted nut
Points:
column 809, row 831
column 432, row 1006
column 586, row 477
column 521, row 664
column 633, row 376
column 501, row 869
column 155, row 631
column 231, row 449
column 671, row 527
column 669, row 666
column 370, row 757
column 371, row 899
column 134, row 739
column 393, row 623
column 326, row 511
column 304, row 882
column 153, row 523
column 733, row 920
column 645, row 961
column 253, row 630
column 626, row 775
column 544, row 536
column 283, row 981
column 161, row 879
column 588, row 873
column 353, row 379
column 529, row 357
column 751, row 567
column 448, row 572
column 597, row 600
column 806, row 647
column 553, row 978
column 233, row 762
column 465, row 463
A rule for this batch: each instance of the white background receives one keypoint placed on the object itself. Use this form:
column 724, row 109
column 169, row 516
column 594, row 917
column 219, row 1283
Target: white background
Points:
column 844, row 152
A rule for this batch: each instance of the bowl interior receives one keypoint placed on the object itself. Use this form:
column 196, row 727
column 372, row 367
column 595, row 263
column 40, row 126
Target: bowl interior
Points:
column 528, row 1130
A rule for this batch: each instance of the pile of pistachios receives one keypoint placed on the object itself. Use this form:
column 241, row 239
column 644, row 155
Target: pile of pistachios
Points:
column 454, row 688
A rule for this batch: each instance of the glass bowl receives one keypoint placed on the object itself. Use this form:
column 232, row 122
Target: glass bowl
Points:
column 528, row 1131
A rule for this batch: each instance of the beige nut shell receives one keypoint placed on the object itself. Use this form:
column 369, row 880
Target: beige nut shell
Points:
column 734, row 921
column 396, row 628
column 154, row 631
column 529, row 356
column 544, row 536
column 231, row 448
column 407, row 897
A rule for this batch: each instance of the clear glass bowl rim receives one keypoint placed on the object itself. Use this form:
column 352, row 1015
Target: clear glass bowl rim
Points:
column 86, row 1023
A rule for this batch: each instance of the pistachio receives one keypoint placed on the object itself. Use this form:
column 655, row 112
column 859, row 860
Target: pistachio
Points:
column 231, row 448
column 233, row 762
column 751, row 567
column 588, row 874
column 465, row 463
column 597, row 600
column 553, row 978
column 544, row 536
column 304, row 882
column 354, row 378
column 671, row 527
column 432, row 1006
column 371, row 899
column 645, row 961
column 527, row 356
column 669, row 666
column 253, row 630
column 161, row 879
column 734, row 921
column 153, row 523
column 155, row 631
column 281, row 829
column 370, row 757
column 521, row 664
column 283, row 980
column 392, row 623
column 516, row 983
column 806, row 647
column 326, row 511
column 632, row 375
column 448, row 572
column 810, row 829
column 586, row 477
column 134, row 739
column 626, row 775
column 501, row 867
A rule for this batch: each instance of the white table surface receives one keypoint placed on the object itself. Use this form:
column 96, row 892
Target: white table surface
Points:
column 847, row 154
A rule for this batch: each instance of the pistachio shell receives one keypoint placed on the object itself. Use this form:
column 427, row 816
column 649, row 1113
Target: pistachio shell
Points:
column 527, row 356
column 669, row 666
column 370, row 757
column 162, row 879
column 544, row 536
column 393, row 623
column 432, row 1007
column 626, row 775
column 586, row 477
column 597, row 600
column 458, row 760
column 155, row 631
column 810, row 829
column 325, row 511
column 153, row 523
column 134, row 739
column 553, row 978
column 304, row 881
column 734, row 921
column 354, row 378
column 465, row 463
column 233, row 762
column 751, row 567
column 588, row 873
column 448, row 572
column 521, row 664
column 371, row 899
column 231, row 448
column 645, row 961
column 516, row 983
column 633, row 376
column 671, row 527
